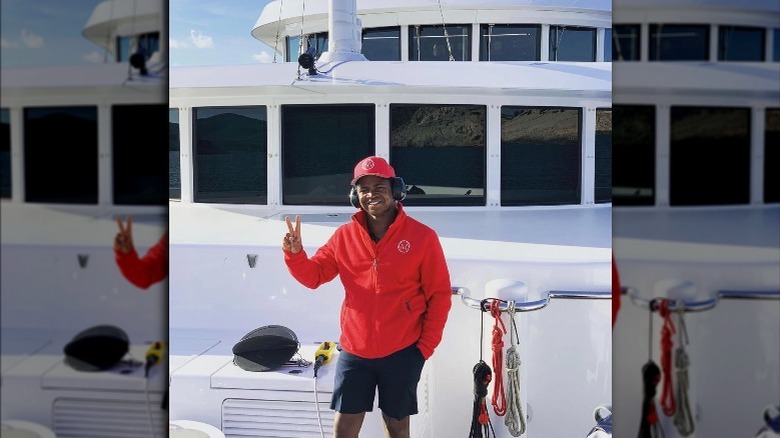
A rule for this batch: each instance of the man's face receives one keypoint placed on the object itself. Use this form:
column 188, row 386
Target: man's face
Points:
column 375, row 195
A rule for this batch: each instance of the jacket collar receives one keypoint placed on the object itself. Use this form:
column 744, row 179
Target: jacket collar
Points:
column 361, row 218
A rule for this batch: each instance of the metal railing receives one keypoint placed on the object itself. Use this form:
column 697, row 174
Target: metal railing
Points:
column 700, row 305
column 528, row 306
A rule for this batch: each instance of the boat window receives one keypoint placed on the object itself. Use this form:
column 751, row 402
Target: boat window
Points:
column 509, row 42
column 230, row 151
column 382, row 44
column 174, row 155
column 776, row 45
column 428, row 43
column 61, row 155
column 772, row 155
column 5, row 153
column 440, row 152
column 679, row 42
column 540, row 155
column 709, row 156
column 571, row 43
column 320, row 146
column 292, row 48
column 138, row 163
column 737, row 43
column 147, row 43
column 603, row 190
column 633, row 142
column 317, row 42
column 625, row 42
column 607, row 45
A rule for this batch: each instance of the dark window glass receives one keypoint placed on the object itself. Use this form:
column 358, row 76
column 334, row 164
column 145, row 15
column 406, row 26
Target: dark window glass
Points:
column 428, row 43
column 320, row 146
column 316, row 44
column 625, row 42
column 61, row 155
column 174, row 155
column 540, row 155
column 772, row 155
column 292, row 48
column 440, row 151
column 607, row 45
column 147, row 43
column 633, row 151
column 230, row 155
column 709, row 155
column 569, row 43
column 509, row 42
column 382, row 44
column 139, row 162
column 679, row 42
column 776, row 45
column 740, row 43
column 603, row 191
column 5, row 153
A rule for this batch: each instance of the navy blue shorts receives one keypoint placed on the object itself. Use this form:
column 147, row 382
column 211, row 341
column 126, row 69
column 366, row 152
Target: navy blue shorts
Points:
column 396, row 376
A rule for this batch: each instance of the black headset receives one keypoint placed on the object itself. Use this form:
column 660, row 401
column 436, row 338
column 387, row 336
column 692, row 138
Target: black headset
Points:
column 397, row 185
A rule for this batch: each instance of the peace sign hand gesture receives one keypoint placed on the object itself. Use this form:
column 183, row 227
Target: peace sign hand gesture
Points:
column 292, row 240
column 123, row 242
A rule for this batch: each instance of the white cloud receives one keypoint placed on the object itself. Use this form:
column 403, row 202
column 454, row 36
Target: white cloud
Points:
column 7, row 44
column 200, row 40
column 31, row 40
column 176, row 44
column 263, row 57
column 94, row 57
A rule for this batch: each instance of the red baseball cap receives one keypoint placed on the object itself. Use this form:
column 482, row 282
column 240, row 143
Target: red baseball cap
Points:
column 376, row 166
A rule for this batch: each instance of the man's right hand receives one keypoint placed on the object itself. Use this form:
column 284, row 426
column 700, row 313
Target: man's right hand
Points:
column 123, row 242
column 292, row 241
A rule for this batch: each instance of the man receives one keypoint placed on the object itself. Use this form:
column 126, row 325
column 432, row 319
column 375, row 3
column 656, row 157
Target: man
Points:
column 397, row 297
column 142, row 272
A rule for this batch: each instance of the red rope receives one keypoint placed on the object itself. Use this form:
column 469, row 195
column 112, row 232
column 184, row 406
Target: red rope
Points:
column 667, row 392
column 498, row 399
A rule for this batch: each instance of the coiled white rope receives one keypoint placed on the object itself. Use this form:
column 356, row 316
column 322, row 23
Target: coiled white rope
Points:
column 683, row 419
column 515, row 417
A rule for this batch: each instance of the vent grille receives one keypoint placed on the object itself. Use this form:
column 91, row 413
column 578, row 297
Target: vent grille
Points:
column 276, row 418
column 87, row 418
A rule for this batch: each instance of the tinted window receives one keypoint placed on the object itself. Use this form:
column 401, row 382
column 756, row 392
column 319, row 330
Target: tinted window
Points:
column 174, row 152
column 633, row 149
column 5, row 153
column 572, row 43
column 61, row 155
column 625, row 42
column 428, row 43
column 382, row 44
column 740, row 43
column 772, row 156
column 317, row 44
column 230, row 155
column 679, row 42
column 776, row 45
column 607, row 45
column 509, row 42
column 603, row 155
column 540, row 155
column 439, row 150
column 709, row 156
column 147, row 43
column 292, row 48
column 139, row 161
column 320, row 146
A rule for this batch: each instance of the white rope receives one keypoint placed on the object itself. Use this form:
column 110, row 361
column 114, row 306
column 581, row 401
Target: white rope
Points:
column 446, row 36
column 683, row 419
column 317, row 407
column 278, row 28
column 515, row 417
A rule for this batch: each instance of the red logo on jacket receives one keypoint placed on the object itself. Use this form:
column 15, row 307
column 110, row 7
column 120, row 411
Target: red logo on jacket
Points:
column 404, row 246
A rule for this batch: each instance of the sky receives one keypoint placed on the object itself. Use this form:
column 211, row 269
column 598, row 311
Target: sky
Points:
column 202, row 32
column 213, row 32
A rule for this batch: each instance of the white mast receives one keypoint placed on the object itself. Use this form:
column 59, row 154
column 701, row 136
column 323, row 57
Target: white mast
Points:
column 344, row 32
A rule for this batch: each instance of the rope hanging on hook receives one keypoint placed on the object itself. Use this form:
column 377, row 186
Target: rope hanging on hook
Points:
column 649, row 427
column 683, row 418
column 481, row 427
column 499, row 399
column 515, row 417
column 668, row 404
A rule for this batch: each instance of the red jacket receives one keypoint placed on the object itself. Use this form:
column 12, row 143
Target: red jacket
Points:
column 146, row 271
column 397, row 291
